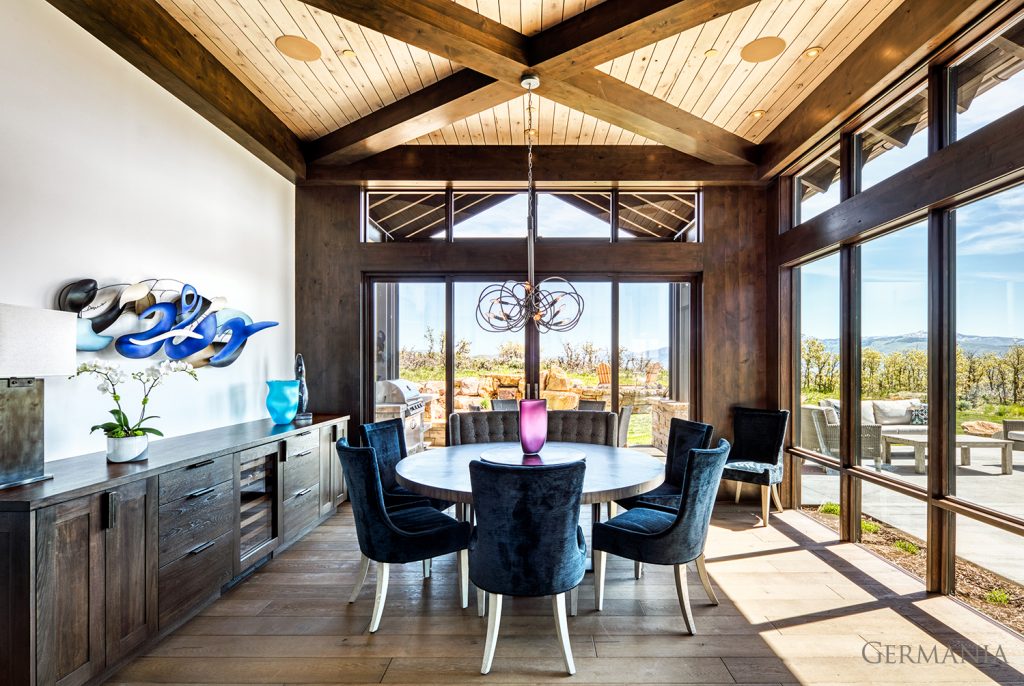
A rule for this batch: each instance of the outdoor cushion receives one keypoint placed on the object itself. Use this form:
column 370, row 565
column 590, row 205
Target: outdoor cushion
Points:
column 1015, row 435
column 867, row 409
column 895, row 429
column 892, row 411
column 831, row 416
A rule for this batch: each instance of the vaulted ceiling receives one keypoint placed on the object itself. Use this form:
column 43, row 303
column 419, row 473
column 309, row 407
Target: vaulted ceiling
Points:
column 669, row 76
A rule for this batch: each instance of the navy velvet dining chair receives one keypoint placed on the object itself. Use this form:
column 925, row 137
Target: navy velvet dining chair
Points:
column 662, row 537
column 387, row 439
column 756, row 458
column 408, row 534
column 527, row 541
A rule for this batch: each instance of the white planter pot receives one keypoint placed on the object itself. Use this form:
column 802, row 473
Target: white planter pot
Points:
column 129, row 449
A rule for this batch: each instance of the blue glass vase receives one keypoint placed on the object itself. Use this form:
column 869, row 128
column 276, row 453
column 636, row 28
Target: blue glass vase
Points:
column 283, row 400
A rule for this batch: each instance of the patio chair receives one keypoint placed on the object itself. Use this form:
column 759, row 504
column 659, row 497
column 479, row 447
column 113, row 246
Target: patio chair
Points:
column 661, row 537
column 827, row 435
column 408, row 534
column 592, row 405
column 504, row 404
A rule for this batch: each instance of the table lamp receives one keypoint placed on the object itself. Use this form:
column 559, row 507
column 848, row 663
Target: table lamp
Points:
column 34, row 343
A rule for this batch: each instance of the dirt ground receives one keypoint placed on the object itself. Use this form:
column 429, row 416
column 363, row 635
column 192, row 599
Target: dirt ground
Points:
column 973, row 583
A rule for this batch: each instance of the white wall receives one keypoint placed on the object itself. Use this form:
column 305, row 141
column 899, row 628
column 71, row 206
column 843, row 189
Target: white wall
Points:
column 105, row 175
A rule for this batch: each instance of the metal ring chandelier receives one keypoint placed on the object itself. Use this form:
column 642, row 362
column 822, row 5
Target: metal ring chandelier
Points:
column 553, row 304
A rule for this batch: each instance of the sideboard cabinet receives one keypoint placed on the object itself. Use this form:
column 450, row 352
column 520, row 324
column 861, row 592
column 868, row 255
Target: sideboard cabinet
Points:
column 104, row 560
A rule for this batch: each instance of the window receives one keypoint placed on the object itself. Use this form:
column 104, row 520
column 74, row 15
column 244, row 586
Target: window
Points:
column 817, row 187
column 489, row 215
column 990, row 349
column 404, row 216
column 988, row 577
column 893, row 429
column 575, row 366
column 895, row 140
column 817, row 328
column 669, row 216
column 574, row 215
column 488, row 365
column 895, row 527
column 989, row 82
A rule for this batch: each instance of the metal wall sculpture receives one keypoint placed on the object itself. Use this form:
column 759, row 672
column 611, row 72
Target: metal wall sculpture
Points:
column 163, row 314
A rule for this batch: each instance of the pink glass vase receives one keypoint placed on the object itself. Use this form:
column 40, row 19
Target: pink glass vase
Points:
column 533, row 425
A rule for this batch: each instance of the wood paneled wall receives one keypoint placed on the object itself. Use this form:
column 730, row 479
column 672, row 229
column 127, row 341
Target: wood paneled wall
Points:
column 331, row 264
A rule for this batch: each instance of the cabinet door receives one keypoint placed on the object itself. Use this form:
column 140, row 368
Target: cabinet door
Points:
column 69, row 592
column 131, row 566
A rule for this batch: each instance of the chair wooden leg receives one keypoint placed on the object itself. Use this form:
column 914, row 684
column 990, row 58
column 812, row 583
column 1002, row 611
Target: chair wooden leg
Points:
column 684, row 598
column 613, row 509
column 464, row 577
column 738, row 486
column 764, row 506
column 364, row 567
column 638, row 569
column 481, row 602
column 562, row 628
column 574, row 601
column 383, row 568
column 702, row 571
column 600, row 559
column 493, row 622
column 426, row 568
column 776, row 498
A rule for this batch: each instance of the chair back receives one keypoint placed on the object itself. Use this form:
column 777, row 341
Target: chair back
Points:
column 362, row 478
column 591, row 405
column 387, row 439
column 758, row 435
column 821, row 431
column 580, row 426
column 504, row 404
column 701, row 478
column 684, row 436
column 527, row 540
column 483, row 427
column 625, row 413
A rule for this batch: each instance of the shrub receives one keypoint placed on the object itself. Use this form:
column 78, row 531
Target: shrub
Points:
column 869, row 527
column 963, row 405
column 907, row 547
column 997, row 596
column 829, row 508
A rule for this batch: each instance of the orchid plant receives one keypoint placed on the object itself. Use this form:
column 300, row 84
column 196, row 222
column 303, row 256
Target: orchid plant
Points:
column 112, row 376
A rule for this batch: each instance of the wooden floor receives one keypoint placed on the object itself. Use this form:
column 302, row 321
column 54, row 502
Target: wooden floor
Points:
column 797, row 607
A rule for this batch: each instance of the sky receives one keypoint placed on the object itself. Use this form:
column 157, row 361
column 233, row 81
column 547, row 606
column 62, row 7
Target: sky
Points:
column 989, row 246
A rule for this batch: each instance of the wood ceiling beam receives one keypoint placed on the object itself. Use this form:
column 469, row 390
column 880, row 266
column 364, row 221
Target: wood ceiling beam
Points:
column 412, row 165
column 904, row 40
column 618, row 103
column 454, row 97
column 448, row 29
column 143, row 33
column 618, row 27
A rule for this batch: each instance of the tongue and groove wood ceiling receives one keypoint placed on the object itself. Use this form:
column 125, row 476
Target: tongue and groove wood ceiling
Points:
column 315, row 99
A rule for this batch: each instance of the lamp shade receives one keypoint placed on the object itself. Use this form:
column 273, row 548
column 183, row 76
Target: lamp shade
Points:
column 36, row 342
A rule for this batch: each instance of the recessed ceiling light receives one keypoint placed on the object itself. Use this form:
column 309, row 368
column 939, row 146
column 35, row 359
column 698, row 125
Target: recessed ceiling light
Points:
column 298, row 48
column 347, row 52
column 763, row 49
column 711, row 53
column 757, row 114
column 812, row 52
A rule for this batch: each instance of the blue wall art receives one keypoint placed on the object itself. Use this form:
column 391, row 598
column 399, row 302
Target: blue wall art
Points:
column 171, row 316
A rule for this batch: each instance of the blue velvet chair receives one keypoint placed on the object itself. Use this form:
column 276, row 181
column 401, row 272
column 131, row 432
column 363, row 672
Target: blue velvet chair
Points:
column 756, row 458
column 387, row 439
column 527, row 541
column 408, row 534
column 661, row 536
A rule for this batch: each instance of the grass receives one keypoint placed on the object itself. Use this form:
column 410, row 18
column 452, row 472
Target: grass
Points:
column 997, row 596
column 829, row 508
column 640, row 430
column 907, row 547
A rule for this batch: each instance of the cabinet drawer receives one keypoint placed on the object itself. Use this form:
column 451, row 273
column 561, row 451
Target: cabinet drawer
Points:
column 301, row 510
column 301, row 442
column 300, row 471
column 179, row 483
column 202, row 515
column 190, row 581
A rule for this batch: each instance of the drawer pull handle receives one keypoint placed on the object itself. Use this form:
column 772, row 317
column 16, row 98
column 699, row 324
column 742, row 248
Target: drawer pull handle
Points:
column 304, row 433
column 197, row 465
column 302, row 454
column 200, row 548
column 303, row 492
column 201, row 492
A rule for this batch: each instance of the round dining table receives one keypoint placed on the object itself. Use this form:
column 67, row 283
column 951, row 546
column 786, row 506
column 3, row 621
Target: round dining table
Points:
column 612, row 473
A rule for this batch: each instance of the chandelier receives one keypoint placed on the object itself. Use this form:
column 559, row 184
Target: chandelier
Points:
column 553, row 304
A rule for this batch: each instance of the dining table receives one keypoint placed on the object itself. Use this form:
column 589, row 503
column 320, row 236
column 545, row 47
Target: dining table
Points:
column 612, row 473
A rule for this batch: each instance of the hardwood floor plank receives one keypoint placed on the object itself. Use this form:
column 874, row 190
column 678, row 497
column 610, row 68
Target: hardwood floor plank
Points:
column 253, row 670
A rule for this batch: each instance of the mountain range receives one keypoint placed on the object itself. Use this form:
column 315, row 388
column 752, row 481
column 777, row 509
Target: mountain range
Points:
column 918, row 340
